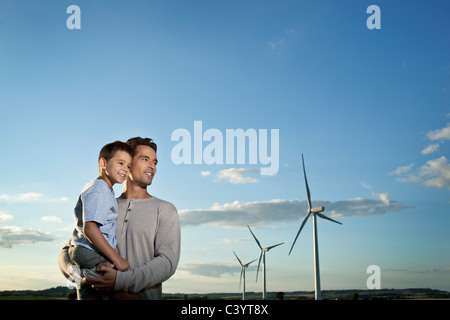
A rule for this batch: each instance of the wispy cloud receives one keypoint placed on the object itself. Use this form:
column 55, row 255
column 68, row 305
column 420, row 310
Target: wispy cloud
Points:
column 51, row 219
column 4, row 217
column 420, row 271
column 13, row 236
column 383, row 197
column 234, row 175
column 238, row 214
column 430, row 149
column 402, row 170
column 274, row 45
column 214, row 270
column 435, row 172
column 288, row 34
column 439, row 270
column 440, row 134
column 233, row 240
column 30, row 197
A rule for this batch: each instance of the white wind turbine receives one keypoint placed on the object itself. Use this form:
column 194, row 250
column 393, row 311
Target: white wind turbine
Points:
column 316, row 212
column 263, row 256
column 244, row 266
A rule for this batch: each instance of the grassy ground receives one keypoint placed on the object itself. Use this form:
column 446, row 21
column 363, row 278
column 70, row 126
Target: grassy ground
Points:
column 25, row 298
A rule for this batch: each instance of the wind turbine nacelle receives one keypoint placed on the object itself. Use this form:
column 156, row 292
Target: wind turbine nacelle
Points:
column 317, row 209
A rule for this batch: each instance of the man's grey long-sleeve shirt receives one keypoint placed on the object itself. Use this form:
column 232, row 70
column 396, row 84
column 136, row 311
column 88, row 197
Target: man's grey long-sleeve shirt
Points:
column 148, row 237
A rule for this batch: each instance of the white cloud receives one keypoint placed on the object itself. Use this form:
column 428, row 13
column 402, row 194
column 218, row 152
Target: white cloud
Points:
column 402, row 170
column 214, row 270
column 239, row 214
column 4, row 217
column 51, row 219
column 12, row 236
column 383, row 197
column 440, row 134
column 430, row 149
column 233, row 240
column 30, row 197
column 205, row 173
column 434, row 173
column 235, row 175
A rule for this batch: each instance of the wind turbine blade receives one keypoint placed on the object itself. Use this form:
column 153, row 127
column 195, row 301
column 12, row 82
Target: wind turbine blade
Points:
column 308, row 194
column 276, row 245
column 259, row 262
column 240, row 279
column 259, row 245
column 299, row 230
column 327, row 218
column 246, row 265
column 238, row 258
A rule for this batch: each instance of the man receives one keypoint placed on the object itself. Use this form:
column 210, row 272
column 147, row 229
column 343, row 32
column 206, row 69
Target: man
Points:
column 148, row 234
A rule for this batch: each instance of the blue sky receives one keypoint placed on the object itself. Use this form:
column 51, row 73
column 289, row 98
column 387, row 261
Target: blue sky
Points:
column 369, row 109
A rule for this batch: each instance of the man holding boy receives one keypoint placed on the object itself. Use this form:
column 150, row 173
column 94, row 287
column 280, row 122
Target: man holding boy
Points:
column 94, row 238
column 148, row 234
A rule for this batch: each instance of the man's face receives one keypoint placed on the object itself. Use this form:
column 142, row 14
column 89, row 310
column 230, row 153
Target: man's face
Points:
column 143, row 166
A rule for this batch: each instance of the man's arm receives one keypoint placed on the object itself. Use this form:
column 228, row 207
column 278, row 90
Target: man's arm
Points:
column 167, row 255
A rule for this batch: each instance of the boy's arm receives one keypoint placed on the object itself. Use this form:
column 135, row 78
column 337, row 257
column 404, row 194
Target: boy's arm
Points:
column 95, row 236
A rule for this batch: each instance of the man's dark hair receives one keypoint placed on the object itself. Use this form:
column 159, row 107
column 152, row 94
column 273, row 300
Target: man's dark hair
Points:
column 138, row 141
column 109, row 150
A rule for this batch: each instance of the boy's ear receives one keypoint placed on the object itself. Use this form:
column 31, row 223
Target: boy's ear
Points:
column 102, row 163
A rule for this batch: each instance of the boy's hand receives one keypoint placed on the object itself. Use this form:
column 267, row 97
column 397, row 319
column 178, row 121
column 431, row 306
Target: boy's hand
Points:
column 104, row 264
column 121, row 264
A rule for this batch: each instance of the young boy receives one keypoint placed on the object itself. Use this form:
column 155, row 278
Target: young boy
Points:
column 94, row 240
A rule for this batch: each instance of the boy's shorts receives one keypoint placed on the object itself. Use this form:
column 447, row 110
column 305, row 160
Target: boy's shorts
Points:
column 86, row 259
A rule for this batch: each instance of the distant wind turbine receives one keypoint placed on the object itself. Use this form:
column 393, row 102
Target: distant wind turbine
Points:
column 263, row 256
column 244, row 266
column 316, row 212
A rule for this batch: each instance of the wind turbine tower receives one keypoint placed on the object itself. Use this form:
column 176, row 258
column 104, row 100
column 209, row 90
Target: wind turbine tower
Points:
column 263, row 256
column 316, row 213
column 244, row 266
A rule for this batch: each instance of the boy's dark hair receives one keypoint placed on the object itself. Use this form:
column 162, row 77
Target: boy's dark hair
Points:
column 109, row 150
column 138, row 141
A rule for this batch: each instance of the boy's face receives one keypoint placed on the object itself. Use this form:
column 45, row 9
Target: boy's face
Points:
column 118, row 167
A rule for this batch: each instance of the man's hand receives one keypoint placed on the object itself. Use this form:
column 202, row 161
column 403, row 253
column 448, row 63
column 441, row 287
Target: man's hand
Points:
column 107, row 278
